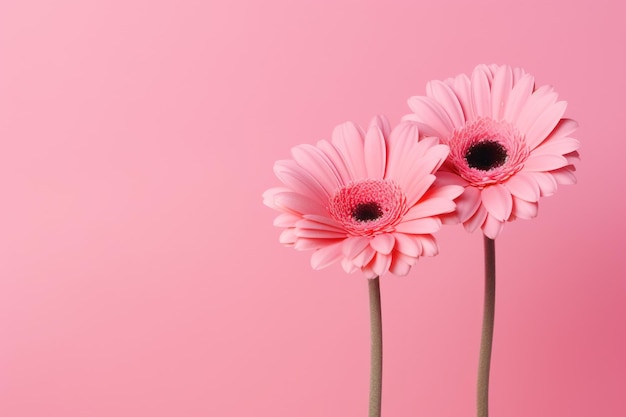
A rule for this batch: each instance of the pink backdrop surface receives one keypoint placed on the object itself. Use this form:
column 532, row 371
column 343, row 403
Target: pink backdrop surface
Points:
column 140, row 275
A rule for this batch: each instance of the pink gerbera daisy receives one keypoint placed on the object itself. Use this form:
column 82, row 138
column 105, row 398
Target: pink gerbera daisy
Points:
column 367, row 199
column 509, row 144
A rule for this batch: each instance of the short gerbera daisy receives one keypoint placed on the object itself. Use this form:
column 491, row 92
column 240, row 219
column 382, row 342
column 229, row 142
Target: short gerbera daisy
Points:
column 367, row 199
column 509, row 144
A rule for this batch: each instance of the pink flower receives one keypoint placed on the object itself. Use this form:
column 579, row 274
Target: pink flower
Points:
column 509, row 144
column 369, row 200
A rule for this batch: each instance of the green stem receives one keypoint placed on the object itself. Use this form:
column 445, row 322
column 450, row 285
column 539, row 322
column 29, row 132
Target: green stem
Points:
column 486, row 340
column 376, row 362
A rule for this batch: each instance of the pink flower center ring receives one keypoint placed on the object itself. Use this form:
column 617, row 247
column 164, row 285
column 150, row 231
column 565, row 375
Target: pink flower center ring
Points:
column 487, row 151
column 368, row 207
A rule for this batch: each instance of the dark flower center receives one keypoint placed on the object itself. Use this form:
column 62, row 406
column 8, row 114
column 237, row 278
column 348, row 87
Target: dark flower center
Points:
column 486, row 155
column 366, row 212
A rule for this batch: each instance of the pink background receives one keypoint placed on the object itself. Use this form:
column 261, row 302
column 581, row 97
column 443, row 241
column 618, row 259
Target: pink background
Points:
column 140, row 275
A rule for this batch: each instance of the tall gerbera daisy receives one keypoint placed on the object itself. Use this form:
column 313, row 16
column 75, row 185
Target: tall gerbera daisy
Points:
column 366, row 199
column 509, row 146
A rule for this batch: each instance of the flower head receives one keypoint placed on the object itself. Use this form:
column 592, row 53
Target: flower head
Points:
column 509, row 144
column 367, row 199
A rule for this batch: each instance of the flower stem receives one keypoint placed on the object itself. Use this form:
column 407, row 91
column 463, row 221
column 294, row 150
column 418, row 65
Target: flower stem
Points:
column 376, row 361
column 486, row 340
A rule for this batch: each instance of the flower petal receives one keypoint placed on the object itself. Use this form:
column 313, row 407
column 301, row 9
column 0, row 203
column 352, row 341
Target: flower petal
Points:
column 441, row 92
column 449, row 218
column 354, row 245
column 546, row 183
column 524, row 209
column 564, row 128
column 420, row 226
column 468, row 203
column 449, row 192
column 415, row 190
column 322, row 219
column 401, row 141
column 319, row 233
column 492, row 227
column 364, row 257
column 337, row 159
column 433, row 115
column 409, row 260
column 481, row 95
column 462, row 88
column 326, row 256
column 375, row 153
column 523, row 186
column 398, row 267
column 348, row 266
column 518, row 73
column 318, row 166
column 270, row 195
column 477, row 219
column 544, row 124
column 542, row 163
column 297, row 204
column 288, row 237
column 383, row 243
column 430, row 207
column 327, row 225
column 348, row 138
column 422, row 168
column 558, row 146
column 286, row 220
column 500, row 90
column 429, row 245
column 498, row 201
column 382, row 123
column 381, row 264
column 407, row 244
column 572, row 158
column 564, row 175
column 300, row 180
column 518, row 97
column 449, row 178
column 368, row 272
column 306, row 243
column 540, row 102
